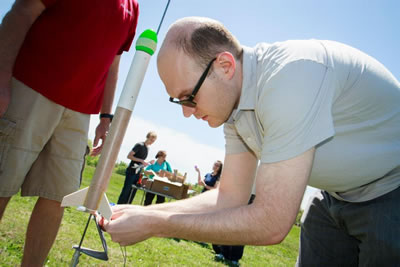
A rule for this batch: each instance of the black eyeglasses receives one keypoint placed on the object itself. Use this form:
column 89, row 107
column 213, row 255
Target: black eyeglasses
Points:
column 188, row 102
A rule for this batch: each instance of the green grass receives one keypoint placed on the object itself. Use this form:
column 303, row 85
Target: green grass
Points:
column 152, row 252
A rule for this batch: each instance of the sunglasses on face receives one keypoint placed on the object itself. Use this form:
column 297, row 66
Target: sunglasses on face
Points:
column 188, row 101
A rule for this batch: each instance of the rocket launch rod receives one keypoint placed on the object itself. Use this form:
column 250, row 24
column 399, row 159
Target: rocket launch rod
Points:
column 162, row 18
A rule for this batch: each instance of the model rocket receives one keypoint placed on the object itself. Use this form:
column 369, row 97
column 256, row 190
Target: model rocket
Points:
column 93, row 198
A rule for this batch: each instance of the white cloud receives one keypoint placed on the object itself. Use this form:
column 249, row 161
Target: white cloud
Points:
column 183, row 152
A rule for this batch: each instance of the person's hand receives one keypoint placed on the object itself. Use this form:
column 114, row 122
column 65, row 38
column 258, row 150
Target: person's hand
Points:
column 101, row 134
column 145, row 163
column 196, row 168
column 5, row 95
column 152, row 161
column 131, row 224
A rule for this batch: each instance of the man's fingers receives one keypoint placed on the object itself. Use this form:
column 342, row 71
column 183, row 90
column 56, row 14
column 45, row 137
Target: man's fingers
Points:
column 96, row 140
column 116, row 215
column 96, row 151
column 120, row 207
column 101, row 223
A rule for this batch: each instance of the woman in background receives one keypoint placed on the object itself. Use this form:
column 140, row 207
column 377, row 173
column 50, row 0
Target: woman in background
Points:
column 228, row 254
column 162, row 168
column 211, row 179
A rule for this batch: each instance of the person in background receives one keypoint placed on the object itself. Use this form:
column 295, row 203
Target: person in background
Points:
column 59, row 63
column 137, row 155
column 162, row 168
column 211, row 179
column 230, row 254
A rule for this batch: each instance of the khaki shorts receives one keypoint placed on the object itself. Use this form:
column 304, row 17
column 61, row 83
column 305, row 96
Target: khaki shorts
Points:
column 42, row 145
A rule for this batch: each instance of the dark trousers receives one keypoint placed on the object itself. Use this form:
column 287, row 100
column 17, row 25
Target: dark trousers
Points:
column 232, row 253
column 131, row 178
column 149, row 199
column 340, row 233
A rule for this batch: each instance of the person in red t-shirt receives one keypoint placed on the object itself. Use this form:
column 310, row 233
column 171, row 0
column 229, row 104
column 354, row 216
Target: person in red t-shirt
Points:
column 58, row 64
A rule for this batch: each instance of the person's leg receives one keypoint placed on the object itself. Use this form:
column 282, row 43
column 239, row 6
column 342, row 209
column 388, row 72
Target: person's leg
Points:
column 323, row 239
column 149, row 199
column 127, row 188
column 376, row 223
column 233, row 253
column 216, row 248
column 3, row 204
column 160, row 199
column 42, row 231
column 21, row 139
column 54, row 174
column 28, row 124
column 132, row 194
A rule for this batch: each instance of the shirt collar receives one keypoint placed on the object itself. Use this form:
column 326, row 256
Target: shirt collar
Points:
column 248, row 94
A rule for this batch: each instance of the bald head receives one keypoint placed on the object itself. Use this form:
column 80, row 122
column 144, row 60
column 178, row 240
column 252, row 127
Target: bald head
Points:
column 201, row 39
column 190, row 45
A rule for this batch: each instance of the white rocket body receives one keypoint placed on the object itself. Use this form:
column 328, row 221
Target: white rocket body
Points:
column 134, row 80
column 93, row 198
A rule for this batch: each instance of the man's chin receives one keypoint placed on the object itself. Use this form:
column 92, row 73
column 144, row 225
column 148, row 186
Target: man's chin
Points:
column 214, row 124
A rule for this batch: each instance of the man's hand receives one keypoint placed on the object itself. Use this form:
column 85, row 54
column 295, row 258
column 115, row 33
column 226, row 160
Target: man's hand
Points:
column 5, row 97
column 101, row 134
column 131, row 224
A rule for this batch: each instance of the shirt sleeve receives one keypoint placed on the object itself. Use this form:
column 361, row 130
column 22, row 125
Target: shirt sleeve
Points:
column 132, row 30
column 295, row 110
column 137, row 148
column 48, row 3
column 234, row 144
column 148, row 168
column 168, row 166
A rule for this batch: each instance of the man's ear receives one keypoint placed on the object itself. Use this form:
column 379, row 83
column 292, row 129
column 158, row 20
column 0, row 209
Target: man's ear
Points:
column 226, row 61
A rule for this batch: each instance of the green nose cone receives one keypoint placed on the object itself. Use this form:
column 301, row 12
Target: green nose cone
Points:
column 147, row 42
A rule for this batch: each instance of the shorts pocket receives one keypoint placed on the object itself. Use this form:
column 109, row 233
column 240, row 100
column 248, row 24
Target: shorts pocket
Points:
column 7, row 133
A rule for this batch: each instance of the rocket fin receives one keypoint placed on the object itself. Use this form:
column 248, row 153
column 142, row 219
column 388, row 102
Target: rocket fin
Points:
column 75, row 199
column 105, row 208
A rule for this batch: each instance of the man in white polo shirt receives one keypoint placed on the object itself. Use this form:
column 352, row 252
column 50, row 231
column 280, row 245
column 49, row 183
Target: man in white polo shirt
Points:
column 312, row 112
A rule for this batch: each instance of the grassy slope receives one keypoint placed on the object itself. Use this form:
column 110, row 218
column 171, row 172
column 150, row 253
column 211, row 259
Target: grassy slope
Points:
column 153, row 252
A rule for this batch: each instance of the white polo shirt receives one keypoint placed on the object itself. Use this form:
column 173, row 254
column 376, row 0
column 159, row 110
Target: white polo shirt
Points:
column 302, row 94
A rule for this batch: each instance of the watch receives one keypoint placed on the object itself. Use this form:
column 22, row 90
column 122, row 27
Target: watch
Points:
column 106, row 115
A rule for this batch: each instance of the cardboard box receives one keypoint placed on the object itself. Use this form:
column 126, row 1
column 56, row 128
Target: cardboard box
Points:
column 175, row 190
column 146, row 183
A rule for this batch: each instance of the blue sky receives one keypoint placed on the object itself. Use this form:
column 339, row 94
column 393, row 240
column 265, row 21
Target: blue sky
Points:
column 371, row 26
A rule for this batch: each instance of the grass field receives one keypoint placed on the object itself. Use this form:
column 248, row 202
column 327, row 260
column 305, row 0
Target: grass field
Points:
column 153, row 252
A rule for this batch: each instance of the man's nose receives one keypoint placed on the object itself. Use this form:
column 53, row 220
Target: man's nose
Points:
column 188, row 111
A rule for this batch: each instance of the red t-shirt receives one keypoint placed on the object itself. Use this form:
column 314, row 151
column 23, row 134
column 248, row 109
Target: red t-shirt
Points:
column 68, row 51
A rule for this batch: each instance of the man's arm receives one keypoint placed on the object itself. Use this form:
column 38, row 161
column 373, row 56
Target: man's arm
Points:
column 13, row 30
column 108, row 98
column 280, row 188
